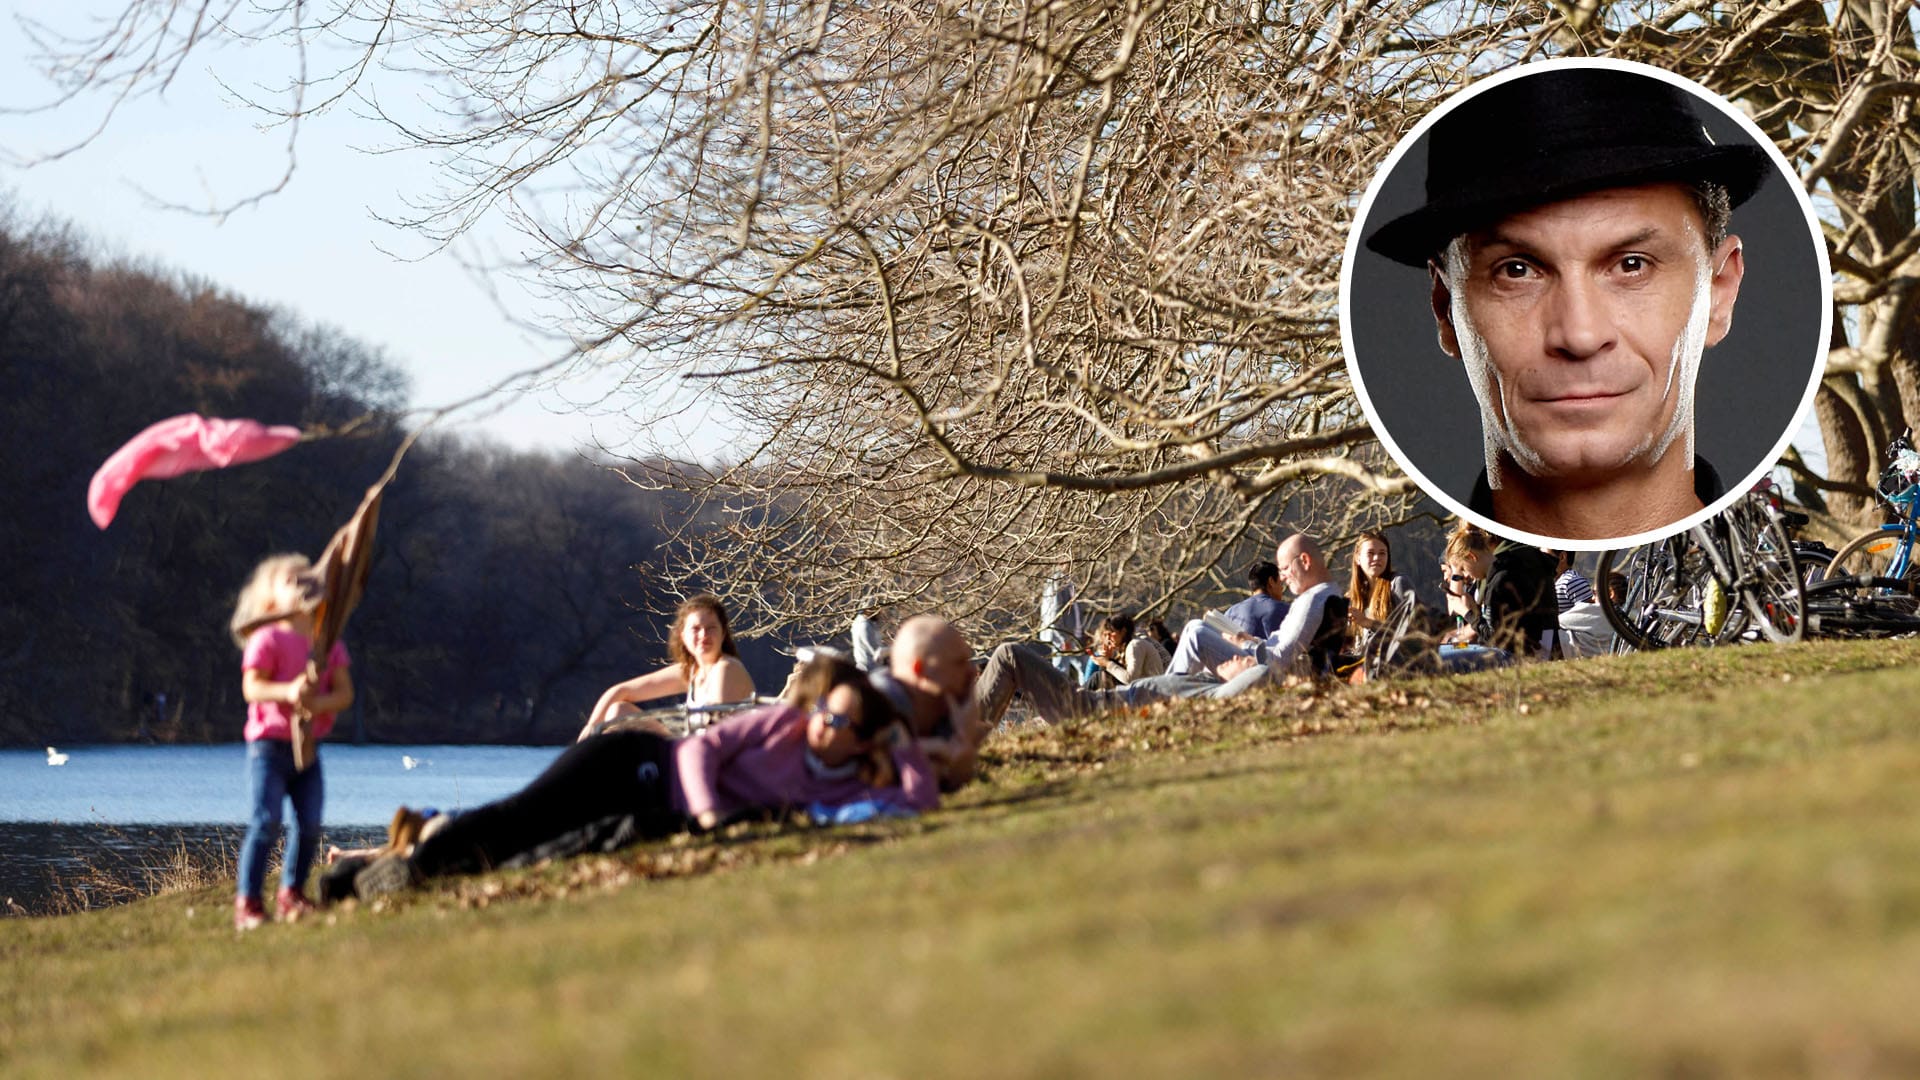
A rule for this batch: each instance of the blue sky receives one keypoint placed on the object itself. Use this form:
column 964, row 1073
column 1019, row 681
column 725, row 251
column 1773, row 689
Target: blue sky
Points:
column 315, row 248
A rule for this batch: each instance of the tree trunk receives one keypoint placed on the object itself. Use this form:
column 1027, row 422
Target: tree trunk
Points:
column 1848, row 457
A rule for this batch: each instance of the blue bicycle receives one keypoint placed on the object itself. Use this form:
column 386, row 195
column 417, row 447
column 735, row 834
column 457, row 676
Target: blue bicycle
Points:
column 1874, row 574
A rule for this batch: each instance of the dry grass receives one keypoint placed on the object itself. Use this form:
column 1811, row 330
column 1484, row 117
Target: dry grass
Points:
column 1683, row 865
column 107, row 879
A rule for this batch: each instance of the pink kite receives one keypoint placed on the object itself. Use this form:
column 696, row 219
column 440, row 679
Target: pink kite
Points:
column 181, row 444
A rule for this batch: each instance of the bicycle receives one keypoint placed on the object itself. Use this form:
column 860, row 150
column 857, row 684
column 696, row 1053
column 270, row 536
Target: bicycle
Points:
column 1886, row 551
column 1735, row 577
column 1669, row 602
column 1871, row 583
column 1767, row 571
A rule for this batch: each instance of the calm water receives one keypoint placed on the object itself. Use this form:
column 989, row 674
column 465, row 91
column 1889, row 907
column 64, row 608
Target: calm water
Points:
column 120, row 806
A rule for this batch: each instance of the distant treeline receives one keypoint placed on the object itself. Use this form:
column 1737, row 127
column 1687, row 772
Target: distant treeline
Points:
column 508, row 589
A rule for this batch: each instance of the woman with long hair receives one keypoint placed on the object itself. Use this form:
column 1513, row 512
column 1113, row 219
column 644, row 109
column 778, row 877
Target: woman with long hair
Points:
column 1372, row 586
column 702, row 663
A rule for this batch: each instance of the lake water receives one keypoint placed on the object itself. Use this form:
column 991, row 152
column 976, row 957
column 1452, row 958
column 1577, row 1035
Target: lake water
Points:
column 118, row 807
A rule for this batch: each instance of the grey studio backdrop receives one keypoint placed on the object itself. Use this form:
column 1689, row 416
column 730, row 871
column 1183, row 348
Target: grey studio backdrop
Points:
column 1750, row 387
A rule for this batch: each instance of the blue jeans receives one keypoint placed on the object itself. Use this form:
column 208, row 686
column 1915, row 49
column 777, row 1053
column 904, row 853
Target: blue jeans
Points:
column 270, row 779
column 1201, row 649
column 1167, row 687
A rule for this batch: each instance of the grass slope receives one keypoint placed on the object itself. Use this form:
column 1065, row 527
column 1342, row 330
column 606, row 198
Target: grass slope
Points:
column 1691, row 864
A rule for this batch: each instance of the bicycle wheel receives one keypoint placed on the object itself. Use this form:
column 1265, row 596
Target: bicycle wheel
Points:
column 1629, row 563
column 1383, row 648
column 1716, row 579
column 1814, row 560
column 1766, row 572
column 1872, row 555
column 1846, row 606
column 1663, row 606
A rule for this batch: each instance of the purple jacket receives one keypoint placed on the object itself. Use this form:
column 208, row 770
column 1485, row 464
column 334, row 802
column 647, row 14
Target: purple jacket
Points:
column 758, row 759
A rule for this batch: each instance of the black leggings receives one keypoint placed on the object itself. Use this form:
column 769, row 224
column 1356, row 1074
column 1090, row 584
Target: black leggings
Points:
column 619, row 773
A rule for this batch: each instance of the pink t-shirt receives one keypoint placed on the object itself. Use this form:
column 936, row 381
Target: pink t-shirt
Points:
column 280, row 655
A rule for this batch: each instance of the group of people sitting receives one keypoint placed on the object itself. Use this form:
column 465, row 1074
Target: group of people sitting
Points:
column 1507, row 600
column 1264, row 639
column 846, row 743
column 1502, row 601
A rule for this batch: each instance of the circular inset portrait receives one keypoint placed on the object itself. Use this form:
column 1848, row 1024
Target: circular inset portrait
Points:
column 1585, row 304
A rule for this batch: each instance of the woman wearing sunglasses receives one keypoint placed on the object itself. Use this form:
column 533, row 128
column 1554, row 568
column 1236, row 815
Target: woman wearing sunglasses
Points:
column 838, row 743
column 847, row 748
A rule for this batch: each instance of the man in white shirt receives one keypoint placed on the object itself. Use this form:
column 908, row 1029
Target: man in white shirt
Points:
column 1206, row 651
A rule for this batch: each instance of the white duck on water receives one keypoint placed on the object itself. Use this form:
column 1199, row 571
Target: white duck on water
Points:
column 55, row 757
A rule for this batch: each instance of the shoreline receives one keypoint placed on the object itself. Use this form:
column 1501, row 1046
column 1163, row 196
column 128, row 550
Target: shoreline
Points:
column 50, row 868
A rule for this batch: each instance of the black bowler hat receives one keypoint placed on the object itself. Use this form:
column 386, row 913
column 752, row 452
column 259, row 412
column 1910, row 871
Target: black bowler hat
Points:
column 1553, row 135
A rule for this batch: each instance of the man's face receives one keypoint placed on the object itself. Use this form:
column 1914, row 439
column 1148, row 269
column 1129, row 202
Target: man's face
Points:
column 1289, row 557
column 1581, row 325
column 949, row 664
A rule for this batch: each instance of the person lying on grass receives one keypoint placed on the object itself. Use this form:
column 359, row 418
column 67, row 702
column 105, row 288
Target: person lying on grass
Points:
column 929, row 681
column 841, row 743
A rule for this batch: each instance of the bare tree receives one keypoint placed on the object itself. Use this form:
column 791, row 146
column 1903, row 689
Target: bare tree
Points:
column 988, row 286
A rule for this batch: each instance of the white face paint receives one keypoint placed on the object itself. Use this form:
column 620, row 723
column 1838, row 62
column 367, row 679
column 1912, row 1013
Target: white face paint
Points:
column 1495, row 394
column 1495, row 434
column 1684, row 372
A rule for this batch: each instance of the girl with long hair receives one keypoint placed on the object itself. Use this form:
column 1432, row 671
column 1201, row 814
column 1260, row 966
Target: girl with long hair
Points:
column 1372, row 586
column 272, row 624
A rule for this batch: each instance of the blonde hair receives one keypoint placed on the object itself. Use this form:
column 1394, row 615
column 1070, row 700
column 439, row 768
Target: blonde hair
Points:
column 254, row 607
column 1466, row 539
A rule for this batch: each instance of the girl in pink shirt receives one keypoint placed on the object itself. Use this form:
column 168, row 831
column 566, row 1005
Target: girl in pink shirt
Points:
column 273, row 623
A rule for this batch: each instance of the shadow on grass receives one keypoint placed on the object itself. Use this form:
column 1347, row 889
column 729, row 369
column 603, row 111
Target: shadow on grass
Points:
column 1060, row 791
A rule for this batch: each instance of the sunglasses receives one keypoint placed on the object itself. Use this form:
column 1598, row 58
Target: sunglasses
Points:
column 834, row 720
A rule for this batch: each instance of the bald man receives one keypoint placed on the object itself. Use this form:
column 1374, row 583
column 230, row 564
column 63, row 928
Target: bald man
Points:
column 1205, row 651
column 929, row 678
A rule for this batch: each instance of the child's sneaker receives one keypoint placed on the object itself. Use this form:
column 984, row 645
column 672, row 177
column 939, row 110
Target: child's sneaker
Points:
column 248, row 913
column 291, row 904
